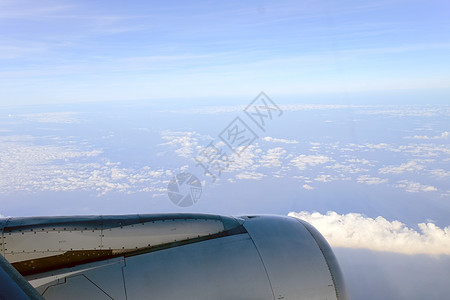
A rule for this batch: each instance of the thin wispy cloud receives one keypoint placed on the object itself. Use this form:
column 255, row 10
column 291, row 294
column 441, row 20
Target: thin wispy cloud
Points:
column 415, row 187
column 277, row 140
column 54, row 117
column 367, row 179
column 440, row 173
column 78, row 45
column 347, row 168
column 443, row 136
column 26, row 10
column 302, row 161
column 410, row 166
column 250, row 175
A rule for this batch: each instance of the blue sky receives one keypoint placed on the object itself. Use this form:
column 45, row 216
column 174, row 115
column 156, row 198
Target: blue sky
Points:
column 373, row 179
column 72, row 51
column 371, row 175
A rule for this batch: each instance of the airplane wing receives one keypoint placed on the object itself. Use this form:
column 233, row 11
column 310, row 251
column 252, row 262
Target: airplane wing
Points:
column 13, row 286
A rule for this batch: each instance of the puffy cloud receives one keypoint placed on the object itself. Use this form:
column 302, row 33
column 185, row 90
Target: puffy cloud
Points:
column 245, row 160
column 347, row 168
column 324, row 178
column 328, row 178
column 184, row 141
column 412, row 150
column 27, row 167
column 275, row 140
column 379, row 146
column 442, row 136
column 307, row 187
column 441, row 173
column 250, row 175
column 303, row 161
column 423, row 150
column 272, row 158
column 406, row 167
column 254, row 158
column 367, row 179
column 353, row 230
column 415, row 187
column 362, row 161
column 445, row 135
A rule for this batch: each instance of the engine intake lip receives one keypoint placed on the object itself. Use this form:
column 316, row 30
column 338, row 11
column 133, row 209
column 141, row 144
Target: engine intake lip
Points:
column 330, row 258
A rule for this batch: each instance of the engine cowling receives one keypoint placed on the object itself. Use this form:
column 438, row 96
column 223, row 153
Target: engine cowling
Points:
column 173, row 256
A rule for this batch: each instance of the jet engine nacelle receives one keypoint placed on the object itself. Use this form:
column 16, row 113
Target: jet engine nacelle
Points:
column 172, row 256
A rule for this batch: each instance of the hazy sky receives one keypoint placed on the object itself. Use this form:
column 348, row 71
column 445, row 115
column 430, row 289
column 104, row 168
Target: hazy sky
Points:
column 71, row 51
column 374, row 179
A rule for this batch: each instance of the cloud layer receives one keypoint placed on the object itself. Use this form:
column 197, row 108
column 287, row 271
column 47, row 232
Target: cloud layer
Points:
column 314, row 163
column 353, row 230
column 27, row 167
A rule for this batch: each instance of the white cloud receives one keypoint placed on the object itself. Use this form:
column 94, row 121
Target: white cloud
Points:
column 275, row 140
column 324, row 178
column 240, row 108
column 414, row 187
column 379, row 146
column 27, row 167
column 367, row 179
column 412, row 111
column 272, row 158
column 253, row 158
column 353, row 230
column 441, row 173
column 347, row 168
column 306, row 107
column 424, row 150
column 303, row 161
column 444, row 135
column 412, row 150
column 51, row 117
column 245, row 160
column 250, row 175
column 208, row 110
column 307, row 187
column 184, row 141
column 362, row 161
column 406, row 167
column 300, row 177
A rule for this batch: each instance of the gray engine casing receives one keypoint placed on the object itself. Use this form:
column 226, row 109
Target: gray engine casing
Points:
column 173, row 256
